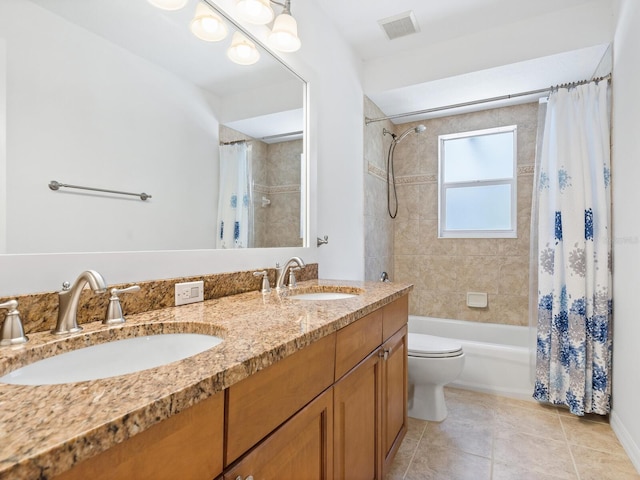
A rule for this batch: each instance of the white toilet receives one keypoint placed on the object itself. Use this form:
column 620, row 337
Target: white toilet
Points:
column 433, row 363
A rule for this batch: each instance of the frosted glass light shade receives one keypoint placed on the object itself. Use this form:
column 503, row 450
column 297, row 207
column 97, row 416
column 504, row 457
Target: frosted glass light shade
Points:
column 207, row 24
column 242, row 50
column 258, row 12
column 284, row 35
column 168, row 4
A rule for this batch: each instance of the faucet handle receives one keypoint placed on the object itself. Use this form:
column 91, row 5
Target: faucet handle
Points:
column 292, row 277
column 266, row 286
column 114, row 310
column 12, row 330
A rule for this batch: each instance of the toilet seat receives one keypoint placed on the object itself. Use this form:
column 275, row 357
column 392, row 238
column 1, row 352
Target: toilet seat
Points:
column 430, row 346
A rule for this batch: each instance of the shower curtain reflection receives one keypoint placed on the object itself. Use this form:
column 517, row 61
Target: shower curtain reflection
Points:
column 235, row 206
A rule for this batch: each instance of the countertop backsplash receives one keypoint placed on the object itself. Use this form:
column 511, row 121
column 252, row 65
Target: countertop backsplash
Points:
column 39, row 311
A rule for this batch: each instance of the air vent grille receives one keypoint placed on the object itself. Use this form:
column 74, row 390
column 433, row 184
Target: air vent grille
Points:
column 399, row 25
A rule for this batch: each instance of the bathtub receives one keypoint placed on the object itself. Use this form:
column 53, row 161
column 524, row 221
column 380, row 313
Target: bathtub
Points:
column 497, row 357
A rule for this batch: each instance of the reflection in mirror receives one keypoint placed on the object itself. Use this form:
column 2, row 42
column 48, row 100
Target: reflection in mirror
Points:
column 120, row 95
column 269, row 213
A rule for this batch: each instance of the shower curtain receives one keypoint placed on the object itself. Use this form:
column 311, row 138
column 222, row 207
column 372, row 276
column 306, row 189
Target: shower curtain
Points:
column 574, row 311
column 235, row 208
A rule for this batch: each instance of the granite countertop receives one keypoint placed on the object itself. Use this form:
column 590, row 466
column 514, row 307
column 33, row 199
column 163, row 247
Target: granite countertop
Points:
column 45, row 430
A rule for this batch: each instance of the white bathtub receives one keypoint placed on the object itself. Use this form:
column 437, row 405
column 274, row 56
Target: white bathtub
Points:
column 497, row 357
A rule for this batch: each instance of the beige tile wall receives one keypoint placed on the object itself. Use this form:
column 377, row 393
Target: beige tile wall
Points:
column 276, row 176
column 282, row 216
column 378, row 246
column 444, row 270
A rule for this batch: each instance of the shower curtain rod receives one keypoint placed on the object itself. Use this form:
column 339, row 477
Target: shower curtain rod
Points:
column 235, row 142
column 484, row 100
column 282, row 135
column 268, row 137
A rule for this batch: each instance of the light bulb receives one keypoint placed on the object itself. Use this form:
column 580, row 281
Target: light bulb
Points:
column 207, row 24
column 168, row 4
column 258, row 12
column 242, row 50
column 284, row 35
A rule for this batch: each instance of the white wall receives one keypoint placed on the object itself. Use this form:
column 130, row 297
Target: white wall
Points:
column 84, row 111
column 3, row 144
column 340, row 166
column 626, row 228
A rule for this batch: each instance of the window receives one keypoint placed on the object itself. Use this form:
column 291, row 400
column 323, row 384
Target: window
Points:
column 477, row 184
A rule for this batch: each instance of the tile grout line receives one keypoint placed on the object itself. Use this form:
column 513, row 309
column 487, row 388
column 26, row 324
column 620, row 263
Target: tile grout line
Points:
column 413, row 454
column 494, row 432
column 566, row 441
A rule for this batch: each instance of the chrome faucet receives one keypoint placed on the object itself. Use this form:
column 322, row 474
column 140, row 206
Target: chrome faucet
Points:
column 69, row 297
column 281, row 272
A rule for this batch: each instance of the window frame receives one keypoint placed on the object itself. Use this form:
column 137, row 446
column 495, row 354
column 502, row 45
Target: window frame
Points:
column 443, row 186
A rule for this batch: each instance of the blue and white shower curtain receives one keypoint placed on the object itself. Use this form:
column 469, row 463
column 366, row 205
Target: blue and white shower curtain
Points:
column 573, row 364
column 234, row 200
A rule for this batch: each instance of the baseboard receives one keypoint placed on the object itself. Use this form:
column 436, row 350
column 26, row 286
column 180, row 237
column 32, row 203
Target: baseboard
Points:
column 625, row 438
column 517, row 393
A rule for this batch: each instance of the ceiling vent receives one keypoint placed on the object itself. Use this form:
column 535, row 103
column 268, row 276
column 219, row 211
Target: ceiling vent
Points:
column 399, row 25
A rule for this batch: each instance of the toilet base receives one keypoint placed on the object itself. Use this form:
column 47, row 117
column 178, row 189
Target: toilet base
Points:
column 427, row 403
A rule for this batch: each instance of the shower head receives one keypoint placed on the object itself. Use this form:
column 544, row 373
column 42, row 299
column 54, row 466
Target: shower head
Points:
column 418, row 129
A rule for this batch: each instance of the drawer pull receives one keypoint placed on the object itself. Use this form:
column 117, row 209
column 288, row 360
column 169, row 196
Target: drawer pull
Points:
column 384, row 354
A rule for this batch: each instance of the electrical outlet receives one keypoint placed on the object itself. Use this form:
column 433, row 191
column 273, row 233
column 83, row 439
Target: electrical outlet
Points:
column 189, row 292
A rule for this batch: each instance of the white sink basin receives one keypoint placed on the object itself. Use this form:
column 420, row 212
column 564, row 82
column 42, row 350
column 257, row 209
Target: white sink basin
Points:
column 322, row 296
column 111, row 359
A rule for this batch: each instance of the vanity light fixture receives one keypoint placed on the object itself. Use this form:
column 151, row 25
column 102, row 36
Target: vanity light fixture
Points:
column 284, row 34
column 168, row 4
column 207, row 24
column 242, row 50
column 258, row 12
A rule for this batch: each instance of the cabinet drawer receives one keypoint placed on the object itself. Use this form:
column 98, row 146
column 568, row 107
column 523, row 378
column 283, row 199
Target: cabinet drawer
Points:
column 357, row 340
column 395, row 315
column 186, row 445
column 259, row 404
column 299, row 449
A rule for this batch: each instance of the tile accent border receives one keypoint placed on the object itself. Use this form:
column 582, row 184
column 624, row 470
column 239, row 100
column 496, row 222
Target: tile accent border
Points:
column 381, row 174
column 276, row 189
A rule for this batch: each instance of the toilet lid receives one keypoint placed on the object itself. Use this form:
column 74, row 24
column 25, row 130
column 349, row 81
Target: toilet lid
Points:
column 421, row 345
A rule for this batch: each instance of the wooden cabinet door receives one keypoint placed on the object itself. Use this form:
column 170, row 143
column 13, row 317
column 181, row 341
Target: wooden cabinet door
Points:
column 394, row 394
column 299, row 449
column 356, row 422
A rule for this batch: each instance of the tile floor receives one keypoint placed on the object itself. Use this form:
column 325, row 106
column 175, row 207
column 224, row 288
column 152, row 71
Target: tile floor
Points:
column 498, row 438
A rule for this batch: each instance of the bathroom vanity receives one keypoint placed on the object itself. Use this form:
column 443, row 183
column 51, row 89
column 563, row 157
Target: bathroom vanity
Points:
column 297, row 389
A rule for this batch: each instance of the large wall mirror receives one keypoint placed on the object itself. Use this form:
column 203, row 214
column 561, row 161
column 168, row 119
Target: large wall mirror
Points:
column 120, row 95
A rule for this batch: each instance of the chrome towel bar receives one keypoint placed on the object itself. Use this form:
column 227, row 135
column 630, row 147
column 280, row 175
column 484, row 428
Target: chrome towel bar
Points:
column 54, row 185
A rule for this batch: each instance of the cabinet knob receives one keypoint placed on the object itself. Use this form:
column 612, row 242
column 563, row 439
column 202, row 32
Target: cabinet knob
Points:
column 384, row 354
column 239, row 477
